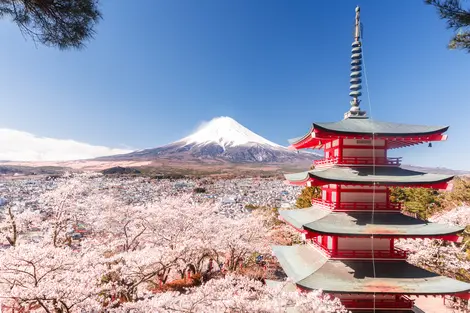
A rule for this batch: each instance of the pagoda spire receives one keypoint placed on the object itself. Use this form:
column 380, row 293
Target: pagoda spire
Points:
column 356, row 71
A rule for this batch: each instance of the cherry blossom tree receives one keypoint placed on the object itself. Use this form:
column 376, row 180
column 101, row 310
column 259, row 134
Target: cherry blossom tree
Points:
column 149, row 252
column 459, row 216
column 147, row 244
column 52, row 279
column 440, row 256
column 17, row 219
column 235, row 294
column 443, row 257
column 152, row 244
column 447, row 258
column 74, row 200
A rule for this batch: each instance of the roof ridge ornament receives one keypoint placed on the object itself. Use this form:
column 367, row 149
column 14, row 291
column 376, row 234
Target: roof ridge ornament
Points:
column 356, row 72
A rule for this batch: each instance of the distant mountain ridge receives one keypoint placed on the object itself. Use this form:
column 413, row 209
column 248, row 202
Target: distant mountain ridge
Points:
column 222, row 139
column 219, row 147
column 436, row 170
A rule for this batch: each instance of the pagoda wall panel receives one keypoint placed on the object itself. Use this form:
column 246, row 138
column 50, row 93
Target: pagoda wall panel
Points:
column 331, row 153
column 329, row 243
column 366, row 142
column 363, row 197
column 334, row 196
column 326, row 242
column 319, row 240
column 369, row 153
column 363, row 244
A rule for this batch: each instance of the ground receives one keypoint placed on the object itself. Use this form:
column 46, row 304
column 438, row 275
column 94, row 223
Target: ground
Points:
column 432, row 305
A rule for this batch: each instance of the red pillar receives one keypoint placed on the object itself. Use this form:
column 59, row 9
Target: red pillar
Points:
column 385, row 149
column 340, row 152
column 338, row 196
column 335, row 245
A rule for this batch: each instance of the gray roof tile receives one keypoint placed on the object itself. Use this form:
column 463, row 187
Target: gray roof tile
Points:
column 381, row 175
column 360, row 223
column 311, row 270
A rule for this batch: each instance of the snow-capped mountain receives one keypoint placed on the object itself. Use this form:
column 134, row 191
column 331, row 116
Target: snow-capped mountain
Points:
column 222, row 139
column 226, row 132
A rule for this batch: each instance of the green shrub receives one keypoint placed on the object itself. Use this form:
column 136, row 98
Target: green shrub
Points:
column 305, row 198
column 422, row 201
column 426, row 202
column 460, row 194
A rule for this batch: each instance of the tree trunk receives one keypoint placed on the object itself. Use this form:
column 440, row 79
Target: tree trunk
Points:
column 12, row 239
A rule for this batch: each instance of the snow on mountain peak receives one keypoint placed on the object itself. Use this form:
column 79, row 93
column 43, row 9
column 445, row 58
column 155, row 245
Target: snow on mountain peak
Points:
column 226, row 132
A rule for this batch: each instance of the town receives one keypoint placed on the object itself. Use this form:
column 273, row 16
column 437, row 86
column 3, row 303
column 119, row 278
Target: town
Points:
column 229, row 196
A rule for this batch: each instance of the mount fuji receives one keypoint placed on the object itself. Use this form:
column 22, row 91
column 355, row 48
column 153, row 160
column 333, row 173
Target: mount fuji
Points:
column 221, row 140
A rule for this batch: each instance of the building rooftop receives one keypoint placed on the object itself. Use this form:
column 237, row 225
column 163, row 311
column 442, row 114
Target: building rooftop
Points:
column 310, row 269
column 366, row 126
column 369, row 126
column 360, row 223
column 368, row 175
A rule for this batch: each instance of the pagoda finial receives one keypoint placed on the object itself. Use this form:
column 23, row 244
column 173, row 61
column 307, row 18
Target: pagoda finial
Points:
column 356, row 71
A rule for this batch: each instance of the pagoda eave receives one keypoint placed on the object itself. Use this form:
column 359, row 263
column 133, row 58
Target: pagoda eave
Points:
column 317, row 137
column 311, row 270
column 370, row 127
column 316, row 221
column 400, row 135
column 321, row 182
column 369, row 176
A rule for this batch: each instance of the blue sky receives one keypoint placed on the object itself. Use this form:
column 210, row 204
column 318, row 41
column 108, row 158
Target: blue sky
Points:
column 158, row 69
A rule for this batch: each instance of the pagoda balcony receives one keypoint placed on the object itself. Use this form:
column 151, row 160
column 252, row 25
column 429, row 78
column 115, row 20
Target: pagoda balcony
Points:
column 395, row 254
column 357, row 206
column 358, row 161
column 401, row 302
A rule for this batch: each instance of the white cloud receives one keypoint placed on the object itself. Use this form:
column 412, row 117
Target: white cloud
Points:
column 17, row 145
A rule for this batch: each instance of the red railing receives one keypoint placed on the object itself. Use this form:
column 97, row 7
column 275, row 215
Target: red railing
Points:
column 359, row 161
column 325, row 204
column 396, row 253
column 322, row 248
column 397, row 303
column 366, row 254
column 328, row 161
column 357, row 206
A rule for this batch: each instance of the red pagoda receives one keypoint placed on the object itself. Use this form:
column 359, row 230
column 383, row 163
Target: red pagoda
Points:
column 350, row 232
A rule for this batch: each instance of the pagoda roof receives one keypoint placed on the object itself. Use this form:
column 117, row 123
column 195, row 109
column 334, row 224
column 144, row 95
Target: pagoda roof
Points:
column 401, row 134
column 298, row 218
column 310, row 269
column 319, row 220
column 367, row 175
column 369, row 126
